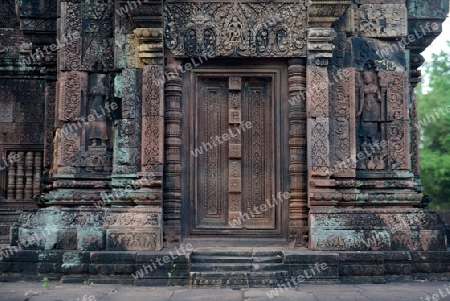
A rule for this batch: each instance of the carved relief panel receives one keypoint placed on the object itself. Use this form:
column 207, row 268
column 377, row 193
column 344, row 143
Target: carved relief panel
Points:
column 382, row 121
column 382, row 20
column 86, row 108
column 342, row 120
column 235, row 29
column 91, row 43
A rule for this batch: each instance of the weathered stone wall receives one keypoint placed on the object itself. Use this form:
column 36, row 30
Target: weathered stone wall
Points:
column 89, row 105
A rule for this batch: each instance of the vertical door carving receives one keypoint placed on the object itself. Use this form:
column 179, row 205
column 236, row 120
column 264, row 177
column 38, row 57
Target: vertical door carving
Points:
column 258, row 152
column 212, row 174
column 235, row 153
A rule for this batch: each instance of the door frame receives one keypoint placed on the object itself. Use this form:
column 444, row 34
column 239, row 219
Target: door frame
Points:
column 277, row 70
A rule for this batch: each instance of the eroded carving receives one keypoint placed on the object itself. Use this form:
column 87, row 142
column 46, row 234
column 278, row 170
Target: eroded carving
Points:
column 382, row 20
column 98, row 97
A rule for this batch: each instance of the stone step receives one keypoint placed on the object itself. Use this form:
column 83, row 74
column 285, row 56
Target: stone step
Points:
column 201, row 267
column 238, row 278
column 220, row 259
column 215, row 267
column 237, row 267
column 236, row 255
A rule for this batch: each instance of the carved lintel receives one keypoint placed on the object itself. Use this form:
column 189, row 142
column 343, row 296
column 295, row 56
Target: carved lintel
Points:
column 146, row 13
column 250, row 29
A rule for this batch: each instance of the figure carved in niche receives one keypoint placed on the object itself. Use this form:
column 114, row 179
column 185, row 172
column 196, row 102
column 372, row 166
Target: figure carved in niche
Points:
column 370, row 109
column 370, row 117
column 235, row 30
column 97, row 100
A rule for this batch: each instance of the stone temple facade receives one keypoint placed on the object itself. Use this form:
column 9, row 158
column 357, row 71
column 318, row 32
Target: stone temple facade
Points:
column 272, row 134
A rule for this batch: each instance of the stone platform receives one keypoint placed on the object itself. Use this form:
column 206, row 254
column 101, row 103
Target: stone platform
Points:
column 225, row 267
column 30, row 291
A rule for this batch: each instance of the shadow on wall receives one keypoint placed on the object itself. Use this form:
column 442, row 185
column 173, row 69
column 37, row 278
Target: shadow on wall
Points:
column 445, row 216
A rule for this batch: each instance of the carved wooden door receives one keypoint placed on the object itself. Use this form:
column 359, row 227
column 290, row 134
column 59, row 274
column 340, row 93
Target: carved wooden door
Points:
column 233, row 155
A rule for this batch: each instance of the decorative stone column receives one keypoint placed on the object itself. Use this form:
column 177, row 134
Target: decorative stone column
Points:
column 317, row 110
column 172, row 174
column 298, row 206
column 151, row 53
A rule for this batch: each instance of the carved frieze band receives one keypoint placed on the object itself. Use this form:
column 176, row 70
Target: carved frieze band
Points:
column 235, row 29
column 72, row 86
column 235, row 161
column 318, row 148
column 317, row 86
column 342, row 118
column 395, row 86
column 317, row 109
column 152, row 120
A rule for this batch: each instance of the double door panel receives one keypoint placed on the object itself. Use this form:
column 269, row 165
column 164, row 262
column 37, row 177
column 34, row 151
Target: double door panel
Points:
column 234, row 127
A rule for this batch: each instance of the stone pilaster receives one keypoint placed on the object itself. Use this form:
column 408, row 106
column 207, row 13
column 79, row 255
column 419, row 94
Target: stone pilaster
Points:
column 172, row 174
column 298, row 206
column 152, row 148
column 320, row 50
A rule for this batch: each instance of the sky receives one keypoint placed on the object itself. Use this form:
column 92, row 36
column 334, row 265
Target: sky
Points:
column 440, row 43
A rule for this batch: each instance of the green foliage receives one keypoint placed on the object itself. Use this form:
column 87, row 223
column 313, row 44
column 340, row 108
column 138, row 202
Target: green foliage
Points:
column 433, row 108
column 45, row 282
column 169, row 274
